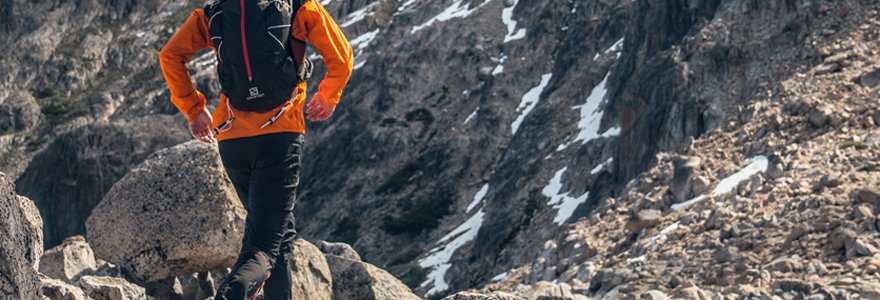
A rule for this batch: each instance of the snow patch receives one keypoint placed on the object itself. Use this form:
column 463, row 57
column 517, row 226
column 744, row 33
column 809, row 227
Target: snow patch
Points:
column 669, row 229
column 757, row 164
column 564, row 203
column 315, row 56
column 140, row 34
column 364, row 40
column 679, row 206
column 500, row 68
column 325, row 2
column 591, row 117
column 478, row 198
column 405, row 5
column 754, row 165
column 357, row 16
column 438, row 258
column 456, row 10
column 618, row 46
column 601, row 166
column 507, row 18
column 637, row 259
column 473, row 114
column 530, row 100
column 499, row 277
column 359, row 65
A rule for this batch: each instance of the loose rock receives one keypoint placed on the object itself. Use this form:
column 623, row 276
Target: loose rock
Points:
column 109, row 288
column 73, row 258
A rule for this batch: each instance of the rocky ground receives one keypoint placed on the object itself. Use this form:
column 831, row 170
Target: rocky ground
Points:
column 780, row 202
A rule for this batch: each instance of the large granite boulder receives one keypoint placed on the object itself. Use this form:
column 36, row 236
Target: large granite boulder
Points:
column 359, row 280
column 18, row 277
column 69, row 260
column 310, row 273
column 174, row 214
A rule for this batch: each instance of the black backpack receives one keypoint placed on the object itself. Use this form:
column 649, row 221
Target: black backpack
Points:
column 256, row 63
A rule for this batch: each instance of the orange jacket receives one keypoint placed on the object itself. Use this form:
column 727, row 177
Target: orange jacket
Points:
column 312, row 23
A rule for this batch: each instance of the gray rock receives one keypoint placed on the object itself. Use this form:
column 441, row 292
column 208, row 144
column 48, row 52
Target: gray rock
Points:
column 475, row 296
column 871, row 79
column 684, row 173
column 688, row 218
column 785, row 264
column 174, row 214
column 359, row 280
column 827, row 68
column 793, row 285
column 110, row 288
column 19, row 111
column 653, row 295
column 338, row 249
column 310, row 273
column 73, row 258
column 198, row 286
column 34, row 222
column 59, row 290
column 17, row 237
column 840, row 237
column 691, row 293
column 828, row 180
column 643, row 219
column 607, row 279
column 726, row 254
column 819, row 115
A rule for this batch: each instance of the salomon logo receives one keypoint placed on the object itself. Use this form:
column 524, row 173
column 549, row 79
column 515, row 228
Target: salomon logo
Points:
column 255, row 93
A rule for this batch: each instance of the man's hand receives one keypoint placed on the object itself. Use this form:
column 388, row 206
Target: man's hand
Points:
column 318, row 110
column 200, row 127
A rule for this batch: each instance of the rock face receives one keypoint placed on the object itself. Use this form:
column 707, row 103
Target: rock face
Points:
column 17, row 238
column 338, row 249
column 174, row 214
column 310, row 273
column 74, row 257
column 19, row 111
column 70, row 177
column 359, row 280
column 110, row 288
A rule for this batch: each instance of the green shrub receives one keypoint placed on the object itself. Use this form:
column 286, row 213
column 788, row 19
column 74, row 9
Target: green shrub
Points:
column 399, row 180
column 414, row 276
column 58, row 113
column 857, row 144
column 346, row 231
column 403, row 257
column 420, row 115
column 424, row 216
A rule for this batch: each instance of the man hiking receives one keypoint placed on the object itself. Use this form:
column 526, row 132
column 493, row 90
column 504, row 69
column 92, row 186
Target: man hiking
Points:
column 260, row 45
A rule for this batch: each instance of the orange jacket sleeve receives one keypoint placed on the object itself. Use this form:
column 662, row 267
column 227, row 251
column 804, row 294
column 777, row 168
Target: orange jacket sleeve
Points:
column 190, row 38
column 320, row 30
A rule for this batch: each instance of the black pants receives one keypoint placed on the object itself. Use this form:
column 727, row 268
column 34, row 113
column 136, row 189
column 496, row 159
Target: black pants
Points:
column 265, row 172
